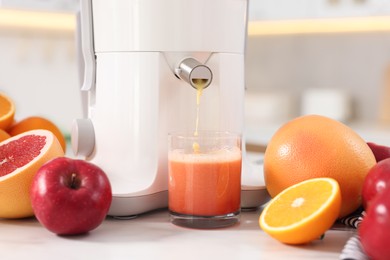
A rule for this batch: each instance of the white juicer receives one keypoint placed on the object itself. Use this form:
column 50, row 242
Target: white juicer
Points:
column 140, row 60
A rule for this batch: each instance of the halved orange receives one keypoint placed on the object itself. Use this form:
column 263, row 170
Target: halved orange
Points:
column 7, row 111
column 302, row 212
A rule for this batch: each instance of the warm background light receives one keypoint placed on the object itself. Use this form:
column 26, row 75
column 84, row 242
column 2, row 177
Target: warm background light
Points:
column 66, row 22
column 315, row 26
column 37, row 20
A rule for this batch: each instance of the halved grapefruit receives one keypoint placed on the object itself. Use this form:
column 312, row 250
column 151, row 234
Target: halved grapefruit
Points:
column 37, row 122
column 20, row 158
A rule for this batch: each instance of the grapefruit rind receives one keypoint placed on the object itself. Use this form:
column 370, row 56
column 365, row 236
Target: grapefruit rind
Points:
column 310, row 227
column 15, row 186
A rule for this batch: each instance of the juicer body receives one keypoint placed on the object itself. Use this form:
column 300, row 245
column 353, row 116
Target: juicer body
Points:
column 131, row 52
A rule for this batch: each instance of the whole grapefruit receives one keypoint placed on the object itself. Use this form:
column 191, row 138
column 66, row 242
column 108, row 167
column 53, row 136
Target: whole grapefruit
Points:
column 20, row 158
column 315, row 146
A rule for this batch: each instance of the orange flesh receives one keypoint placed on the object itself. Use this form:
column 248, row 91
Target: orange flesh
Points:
column 300, row 204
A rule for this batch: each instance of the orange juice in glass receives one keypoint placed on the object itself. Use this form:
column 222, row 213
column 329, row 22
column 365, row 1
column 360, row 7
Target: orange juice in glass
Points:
column 204, row 179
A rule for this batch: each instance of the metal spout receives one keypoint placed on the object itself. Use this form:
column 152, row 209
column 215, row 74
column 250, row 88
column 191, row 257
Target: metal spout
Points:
column 194, row 73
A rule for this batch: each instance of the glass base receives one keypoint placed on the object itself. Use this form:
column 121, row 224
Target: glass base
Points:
column 204, row 222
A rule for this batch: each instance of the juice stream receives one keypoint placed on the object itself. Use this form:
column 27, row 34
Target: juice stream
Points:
column 199, row 84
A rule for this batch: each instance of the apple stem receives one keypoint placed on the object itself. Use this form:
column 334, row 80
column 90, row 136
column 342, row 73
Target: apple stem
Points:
column 74, row 183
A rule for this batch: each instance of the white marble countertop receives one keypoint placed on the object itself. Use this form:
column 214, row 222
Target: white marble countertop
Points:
column 152, row 236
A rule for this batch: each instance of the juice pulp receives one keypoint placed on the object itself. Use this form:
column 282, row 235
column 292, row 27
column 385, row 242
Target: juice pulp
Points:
column 205, row 184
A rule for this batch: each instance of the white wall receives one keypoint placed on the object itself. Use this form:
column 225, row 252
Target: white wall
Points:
column 39, row 72
column 356, row 63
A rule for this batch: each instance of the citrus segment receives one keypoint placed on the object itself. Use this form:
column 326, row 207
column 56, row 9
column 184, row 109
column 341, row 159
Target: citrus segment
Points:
column 36, row 122
column 7, row 111
column 20, row 158
column 316, row 146
column 302, row 212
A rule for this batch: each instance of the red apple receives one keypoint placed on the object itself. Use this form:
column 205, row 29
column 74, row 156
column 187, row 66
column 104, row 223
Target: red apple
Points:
column 70, row 196
column 380, row 152
column 374, row 229
column 377, row 180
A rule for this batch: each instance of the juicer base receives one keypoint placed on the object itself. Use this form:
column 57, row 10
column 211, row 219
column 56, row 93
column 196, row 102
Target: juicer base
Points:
column 125, row 207
column 128, row 206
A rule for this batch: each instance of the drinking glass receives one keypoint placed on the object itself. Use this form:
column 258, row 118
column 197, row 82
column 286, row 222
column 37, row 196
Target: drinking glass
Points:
column 204, row 179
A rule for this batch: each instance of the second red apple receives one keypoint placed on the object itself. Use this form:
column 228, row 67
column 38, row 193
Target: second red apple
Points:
column 376, row 181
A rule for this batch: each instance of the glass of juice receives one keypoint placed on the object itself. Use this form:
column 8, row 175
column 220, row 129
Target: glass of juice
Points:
column 204, row 179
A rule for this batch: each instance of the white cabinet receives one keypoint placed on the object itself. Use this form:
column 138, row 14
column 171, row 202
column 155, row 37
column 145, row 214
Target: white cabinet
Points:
column 303, row 9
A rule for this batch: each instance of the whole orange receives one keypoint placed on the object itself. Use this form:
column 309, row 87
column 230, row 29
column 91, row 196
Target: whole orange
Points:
column 37, row 122
column 3, row 135
column 315, row 146
column 7, row 111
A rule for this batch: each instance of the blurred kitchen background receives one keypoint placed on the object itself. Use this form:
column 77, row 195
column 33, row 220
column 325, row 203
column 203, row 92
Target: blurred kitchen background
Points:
column 329, row 57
